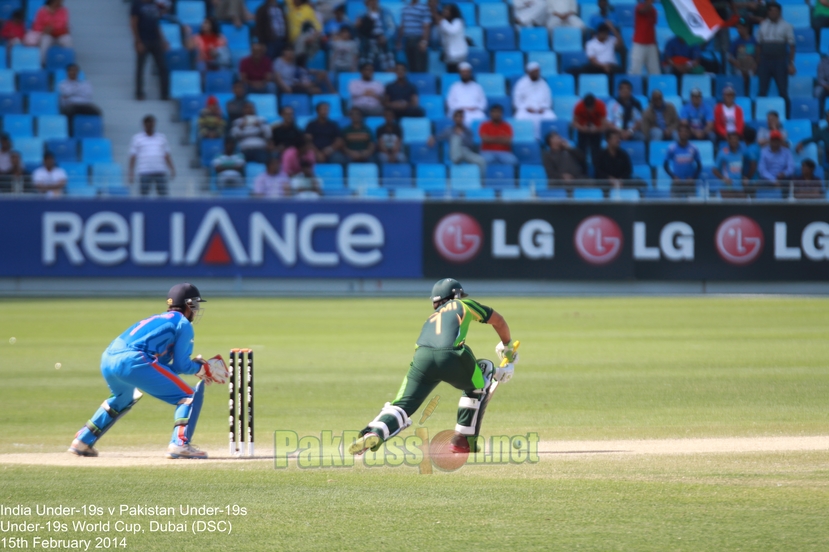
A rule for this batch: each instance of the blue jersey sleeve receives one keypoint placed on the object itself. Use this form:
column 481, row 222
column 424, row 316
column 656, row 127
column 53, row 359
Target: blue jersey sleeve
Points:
column 183, row 349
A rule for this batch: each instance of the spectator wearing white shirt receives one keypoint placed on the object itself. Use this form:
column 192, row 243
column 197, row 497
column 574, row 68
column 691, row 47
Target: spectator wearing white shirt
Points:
column 601, row 52
column 49, row 179
column 468, row 96
column 75, row 95
column 452, row 36
column 533, row 99
column 252, row 133
column 563, row 13
column 150, row 159
column 272, row 182
column 367, row 93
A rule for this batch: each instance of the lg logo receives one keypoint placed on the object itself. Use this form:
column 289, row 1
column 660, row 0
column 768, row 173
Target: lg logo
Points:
column 598, row 240
column 458, row 237
column 739, row 240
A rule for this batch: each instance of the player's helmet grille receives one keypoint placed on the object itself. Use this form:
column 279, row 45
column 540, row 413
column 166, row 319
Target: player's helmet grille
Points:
column 448, row 288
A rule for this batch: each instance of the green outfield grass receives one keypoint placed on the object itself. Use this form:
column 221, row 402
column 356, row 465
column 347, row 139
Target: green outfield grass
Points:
column 590, row 369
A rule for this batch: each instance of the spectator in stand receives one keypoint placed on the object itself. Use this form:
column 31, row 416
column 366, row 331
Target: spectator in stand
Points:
column 235, row 106
column 14, row 29
column 612, row 164
column 590, row 121
column 461, row 143
column 401, row 95
column 625, row 113
column 563, row 13
column 338, row 21
column 601, row 52
column 270, row 28
column 144, row 22
column 822, row 82
column 211, row 124
column 229, row 167
column 286, row 134
column 305, row 184
column 820, row 134
column 820, row 17
column 562, row 162
column 776, row 52
column 699, row 116
column 14, row 179
column 531, row 13
column 49, row 179
column 772, row 123
column 50, row 27
column 644, row 53
column 607, row 15
column 683, row 164
column 309, row 41
column 5, row 153
column 295, row 156
column 682, row 59
column 496, row 138
column 466, row 95
column 286, row 74
column 358, row 140
column 210, row 46
column 454, row 47
column 660, row 120
column 415, row 25
column 312, row 79
column 731, row 167
column 532, row 98
column 776, row 162
column 252, row 133
column 390, row 140
column 150, row 160
column 75, row 96
column 375, row 30
column 752, row 150
column 272, row 183
column 367, row 93
column 742, row 55
column 299, row 13
column 326, row 137
column 343, row 51
column 728, row 116
column 256, row 71
column 233, row 11
column 808, row 185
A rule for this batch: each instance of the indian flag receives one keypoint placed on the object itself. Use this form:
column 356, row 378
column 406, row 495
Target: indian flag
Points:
column 696, row 21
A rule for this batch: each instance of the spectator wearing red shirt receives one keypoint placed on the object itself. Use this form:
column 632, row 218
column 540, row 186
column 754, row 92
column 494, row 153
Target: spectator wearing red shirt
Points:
column 210, row 46
column 644, row 53
column 256, row 71
column 14, row 29
column 590, row 121
column 50, row 27
column 496, row 138
column 728, row 116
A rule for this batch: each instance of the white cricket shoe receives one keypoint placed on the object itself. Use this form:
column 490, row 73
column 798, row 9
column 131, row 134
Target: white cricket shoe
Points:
column 79, row 448
column 185, row 451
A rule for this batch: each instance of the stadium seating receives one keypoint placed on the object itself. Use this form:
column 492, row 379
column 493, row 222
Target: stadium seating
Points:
column 362, row 175
column 533, row 39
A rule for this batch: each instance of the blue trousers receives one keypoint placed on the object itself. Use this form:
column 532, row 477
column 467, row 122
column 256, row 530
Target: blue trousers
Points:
column 124, row 372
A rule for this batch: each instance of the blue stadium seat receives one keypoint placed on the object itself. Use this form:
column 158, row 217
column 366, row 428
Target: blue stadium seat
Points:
column 18, row 126
column 172, row 34
column 362, row 175
column 547, row 60
column 517, row 194
column 447, row 80
column 77, row 174
column 432, row 104
column 636, row 151
column 11, row 102
column 25, row 58
column 801, row 85
column 806, row 63
column 7, row 7
column 568, row 60
column 768, row 194
column 562, row 85
column 560, row 126
column 492, row 83
column 409, row 194
column 500, row 38
column 106, row 175
column 31, row 150
column 354, row 9
column 178, row 60
column 663, row 35
column 7, row 81
column 374, row 123
column 479, row 194
column 504, row 101
column 493, row 15
column 564, row 105
column 31, row 10
column 58, row 57
column 33, row 81
column 65, row 150
column 527, row 152
column 594, row 84
column 209, row 149
column 218, row 82
column 533, row 39
column 797, row 16
column 300, row 103
column 798, row 130
column 190, row 12
column 625, row 12
column 467, row 9
column 552, row 194
column 375, row 193
column 706, row 151
column 567, row 39
column 635, row 83
column 52, row 126
column 627, row 36
column 331, row 176
column 476, row 35
column 509, row 63
column 184, row 83
column 319, row 61
column 266, row 106
column 96, row 150
column 430, row 176
column 689, row 82
column 87, row 126
column 415, row 129
column 643, row 172
column 625, row 194
column 500, row 176
column 747, row 105
column 190, row 106
column 824, row 41
column 532, row 176
column 734, row 81
column 588, row 194
column 479, row 60
column 464, row 177
column 804, row 108
column 658, row 148
column 587, row 11
column 764, row 105
column 237, row 38
column 665, row 83
column 804, row 38
column 333, row 100
column 422, row 153
column 396, row 175
column 522, row 130
column 426, row 83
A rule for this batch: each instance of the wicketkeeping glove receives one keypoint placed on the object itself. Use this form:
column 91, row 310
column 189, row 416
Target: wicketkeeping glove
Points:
column 507, row 351
column 212, row 370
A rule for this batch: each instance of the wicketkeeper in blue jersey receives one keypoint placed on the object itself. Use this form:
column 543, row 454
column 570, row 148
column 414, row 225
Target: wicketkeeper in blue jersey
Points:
column 150, row 356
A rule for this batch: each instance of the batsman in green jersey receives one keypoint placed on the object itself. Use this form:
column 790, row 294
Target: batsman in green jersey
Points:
column 442, row 355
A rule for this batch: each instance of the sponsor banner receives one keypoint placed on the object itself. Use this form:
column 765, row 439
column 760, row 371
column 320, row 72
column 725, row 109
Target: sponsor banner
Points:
column 200, row 238
column 624, row 242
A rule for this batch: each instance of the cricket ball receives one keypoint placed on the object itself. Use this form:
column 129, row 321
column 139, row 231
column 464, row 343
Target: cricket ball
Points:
column 442, row 457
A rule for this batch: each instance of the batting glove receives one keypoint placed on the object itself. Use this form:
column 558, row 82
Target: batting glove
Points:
column 507, row 351
column 504, row 373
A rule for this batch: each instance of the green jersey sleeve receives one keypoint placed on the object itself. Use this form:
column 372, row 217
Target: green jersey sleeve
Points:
column 480, row 312
column 448, row 325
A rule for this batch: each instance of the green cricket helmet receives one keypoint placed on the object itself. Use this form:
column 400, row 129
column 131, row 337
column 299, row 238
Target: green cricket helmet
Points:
column 448, row 288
